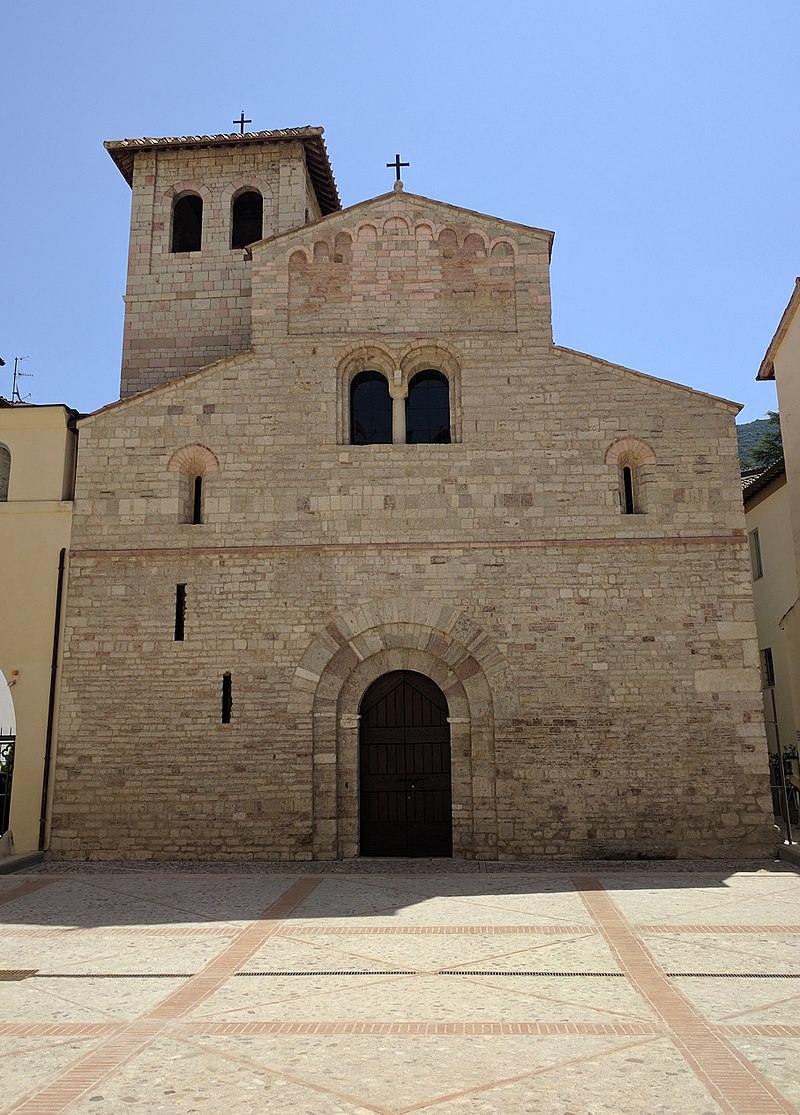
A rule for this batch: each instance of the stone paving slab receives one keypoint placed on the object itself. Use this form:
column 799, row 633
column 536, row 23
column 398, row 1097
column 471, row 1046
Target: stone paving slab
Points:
column 85, row 999
column 777, row 1058
column 580, row 951
column 108, row 955
column 453, row 992
column 744, row 1001
column 752, row 953
column 29, row 1063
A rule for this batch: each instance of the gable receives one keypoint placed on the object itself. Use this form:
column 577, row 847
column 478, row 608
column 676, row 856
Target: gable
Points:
column 644, row 382
column 403, row 264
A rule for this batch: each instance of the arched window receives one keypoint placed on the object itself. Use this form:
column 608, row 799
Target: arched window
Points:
column 370, row 410
column 5, row 471
column 193, row 463
column 190, row 496
column 428, row 409
column 187, row 223
column 247, row 219
column 632, row 456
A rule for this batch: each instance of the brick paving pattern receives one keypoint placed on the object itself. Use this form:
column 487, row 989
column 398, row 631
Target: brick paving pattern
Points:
column 616, row 992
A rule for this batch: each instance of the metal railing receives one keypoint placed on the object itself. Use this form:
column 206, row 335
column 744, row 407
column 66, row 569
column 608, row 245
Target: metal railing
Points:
column 6, row 774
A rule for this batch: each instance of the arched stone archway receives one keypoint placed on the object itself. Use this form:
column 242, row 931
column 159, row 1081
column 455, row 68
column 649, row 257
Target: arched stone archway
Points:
column 357, row 648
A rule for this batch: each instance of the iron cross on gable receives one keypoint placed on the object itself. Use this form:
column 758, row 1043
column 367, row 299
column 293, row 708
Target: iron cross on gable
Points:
column 241, row 122
column 397, row 164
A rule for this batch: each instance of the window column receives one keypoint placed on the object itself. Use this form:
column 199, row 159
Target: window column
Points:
column 398, row 390
column 398, row 419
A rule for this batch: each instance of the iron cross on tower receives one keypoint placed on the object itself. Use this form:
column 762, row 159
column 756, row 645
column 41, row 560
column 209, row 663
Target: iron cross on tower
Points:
column 241, row 122
column 397, row 164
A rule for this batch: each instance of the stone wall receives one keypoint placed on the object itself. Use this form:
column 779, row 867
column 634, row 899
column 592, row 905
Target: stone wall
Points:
column 600, row 668
column 184, row 310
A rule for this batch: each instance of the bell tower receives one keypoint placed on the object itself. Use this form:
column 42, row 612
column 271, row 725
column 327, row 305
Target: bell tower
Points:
column 197, row 201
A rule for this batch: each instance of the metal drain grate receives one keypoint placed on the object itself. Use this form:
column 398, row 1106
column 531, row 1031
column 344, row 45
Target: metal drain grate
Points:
column 498, row 972
column 733, row 975
column 341, row 972
column 424, row 972
column 11, row 975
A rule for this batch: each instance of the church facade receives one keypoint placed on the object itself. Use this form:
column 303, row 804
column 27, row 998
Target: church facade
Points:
column 364, row 564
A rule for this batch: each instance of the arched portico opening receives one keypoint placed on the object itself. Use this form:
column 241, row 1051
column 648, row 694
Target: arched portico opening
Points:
column 8, row 728
column 405, row 796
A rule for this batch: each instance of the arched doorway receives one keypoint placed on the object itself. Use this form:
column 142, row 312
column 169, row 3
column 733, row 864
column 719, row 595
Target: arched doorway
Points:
column 8, row 728
column 404, row 768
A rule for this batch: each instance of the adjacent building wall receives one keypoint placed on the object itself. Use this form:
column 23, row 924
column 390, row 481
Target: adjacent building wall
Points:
column 774, row 593
column 782, row 363
column 34, row 527
column 786, row 365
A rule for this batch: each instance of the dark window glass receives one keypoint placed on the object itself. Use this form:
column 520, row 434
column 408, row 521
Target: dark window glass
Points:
column 248, row 213
column 180, row 612
column 227, row 698
column 428, row 409
column 187, row 223
column 370, row 410
column 627, row 490
column 197, row 501
column 767, row 669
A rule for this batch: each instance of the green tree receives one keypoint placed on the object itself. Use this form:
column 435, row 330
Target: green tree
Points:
column 769, row 447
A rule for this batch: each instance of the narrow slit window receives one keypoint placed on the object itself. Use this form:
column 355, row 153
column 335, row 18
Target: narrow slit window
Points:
column 755, row 555
column 227, row 698
column 627, row 491
column 767, row 669
column 180, row 613
column 197, row 500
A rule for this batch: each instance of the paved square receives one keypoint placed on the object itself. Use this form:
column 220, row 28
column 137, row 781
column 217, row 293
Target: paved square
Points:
column 386, row 989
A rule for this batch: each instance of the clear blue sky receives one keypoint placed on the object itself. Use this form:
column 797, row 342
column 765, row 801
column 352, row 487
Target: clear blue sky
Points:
column 658, row 141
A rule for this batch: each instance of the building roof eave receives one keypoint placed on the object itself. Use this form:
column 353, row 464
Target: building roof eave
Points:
column 754, row 485
column 124, row 151
column 767, row 367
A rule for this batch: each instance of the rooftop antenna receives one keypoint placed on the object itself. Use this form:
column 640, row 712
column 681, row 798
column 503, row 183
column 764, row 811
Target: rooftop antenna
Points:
column 18, row 375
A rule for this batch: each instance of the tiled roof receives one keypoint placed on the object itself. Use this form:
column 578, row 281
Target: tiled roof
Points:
column 123, row 152
column 756, row 480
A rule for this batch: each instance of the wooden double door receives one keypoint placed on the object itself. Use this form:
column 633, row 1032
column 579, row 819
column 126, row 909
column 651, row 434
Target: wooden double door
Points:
column 404, row 765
